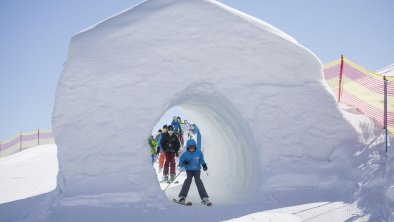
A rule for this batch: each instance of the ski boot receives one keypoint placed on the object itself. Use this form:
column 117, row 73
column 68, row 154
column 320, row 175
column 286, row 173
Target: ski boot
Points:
column 182, row 199
column 172, row 177
column 165, row 178
column 206, row 201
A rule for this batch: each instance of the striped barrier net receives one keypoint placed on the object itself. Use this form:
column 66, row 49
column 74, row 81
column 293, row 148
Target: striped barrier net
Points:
column 26, row 140
column 362, row 89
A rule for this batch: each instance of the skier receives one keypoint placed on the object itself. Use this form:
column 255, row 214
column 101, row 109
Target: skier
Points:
column 152, row 143
column 191, row 160
column 180, row 133
column 170, row 145
column 176, row 124
column 194, row 133
column 158, row 134
column 157, row 137
column 177, row 128
column 185, row 126
column 162, row 155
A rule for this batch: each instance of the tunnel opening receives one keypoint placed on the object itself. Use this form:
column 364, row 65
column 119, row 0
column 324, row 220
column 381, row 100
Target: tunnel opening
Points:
column 228, row 146
column 188, row 131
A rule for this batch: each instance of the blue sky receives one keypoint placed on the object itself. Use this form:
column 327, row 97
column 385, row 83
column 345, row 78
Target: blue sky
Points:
column 35, row 36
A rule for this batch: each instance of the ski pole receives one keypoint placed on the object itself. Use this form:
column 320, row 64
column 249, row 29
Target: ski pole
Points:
column 173, row 180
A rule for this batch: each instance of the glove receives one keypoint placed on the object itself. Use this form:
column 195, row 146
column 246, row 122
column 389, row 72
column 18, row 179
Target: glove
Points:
column 176, row 154
column 186, row 162
column 204, row 167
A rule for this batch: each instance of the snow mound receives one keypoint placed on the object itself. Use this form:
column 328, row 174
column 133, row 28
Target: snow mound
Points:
column 273, row 132
column 20, row 180
column 257, row 95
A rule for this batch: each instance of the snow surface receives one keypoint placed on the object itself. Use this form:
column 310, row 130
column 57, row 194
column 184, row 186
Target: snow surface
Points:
column 44, row 160
column 274, row 135
column 29, row 173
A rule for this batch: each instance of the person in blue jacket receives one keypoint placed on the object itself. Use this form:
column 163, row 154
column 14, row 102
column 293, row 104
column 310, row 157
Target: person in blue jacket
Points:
column 196, row 134
column 192, row 160
column 176, row 124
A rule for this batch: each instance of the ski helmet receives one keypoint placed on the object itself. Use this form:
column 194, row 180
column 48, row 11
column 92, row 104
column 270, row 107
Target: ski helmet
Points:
column 191, row 143
column 170, row 127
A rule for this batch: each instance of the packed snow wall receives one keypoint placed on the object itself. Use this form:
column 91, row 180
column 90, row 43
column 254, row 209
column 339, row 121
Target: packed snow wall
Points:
column 256, row 94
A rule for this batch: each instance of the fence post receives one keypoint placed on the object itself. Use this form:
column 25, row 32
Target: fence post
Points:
column 385, row 111
column 384, row 102
column 20, row 141
column 38, row 137
column 340, row 80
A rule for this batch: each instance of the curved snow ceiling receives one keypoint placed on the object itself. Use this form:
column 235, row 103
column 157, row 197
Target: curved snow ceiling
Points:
column 229, row 149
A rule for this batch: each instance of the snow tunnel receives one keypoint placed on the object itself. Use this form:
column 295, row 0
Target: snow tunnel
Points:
column 248, row 86
column 229, row 147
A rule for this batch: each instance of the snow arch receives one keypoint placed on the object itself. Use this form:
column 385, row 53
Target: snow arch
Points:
column 229, row 145
column 258, row 95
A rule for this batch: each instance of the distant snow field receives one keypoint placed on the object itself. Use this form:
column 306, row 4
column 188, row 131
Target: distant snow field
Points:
column 28, row 173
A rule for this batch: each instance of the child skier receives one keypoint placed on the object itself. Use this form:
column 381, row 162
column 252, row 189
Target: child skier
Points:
column 191, row 160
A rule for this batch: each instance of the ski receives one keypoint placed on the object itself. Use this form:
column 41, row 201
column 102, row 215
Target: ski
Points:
column 175, row 182
column 186, row 203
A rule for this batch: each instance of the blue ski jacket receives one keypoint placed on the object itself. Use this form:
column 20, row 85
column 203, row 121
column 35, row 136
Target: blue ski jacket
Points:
column 198, row 136
column 158, row 143
column 196, row 159
column 177, row 126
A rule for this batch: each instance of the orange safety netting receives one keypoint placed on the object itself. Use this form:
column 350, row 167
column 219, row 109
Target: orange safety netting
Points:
column 362, row 89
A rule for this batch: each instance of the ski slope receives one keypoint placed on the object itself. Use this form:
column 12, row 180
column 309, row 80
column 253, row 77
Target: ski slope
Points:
column 28, row 173
column 276, row 142
column 33, row 172
column 29, row 178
